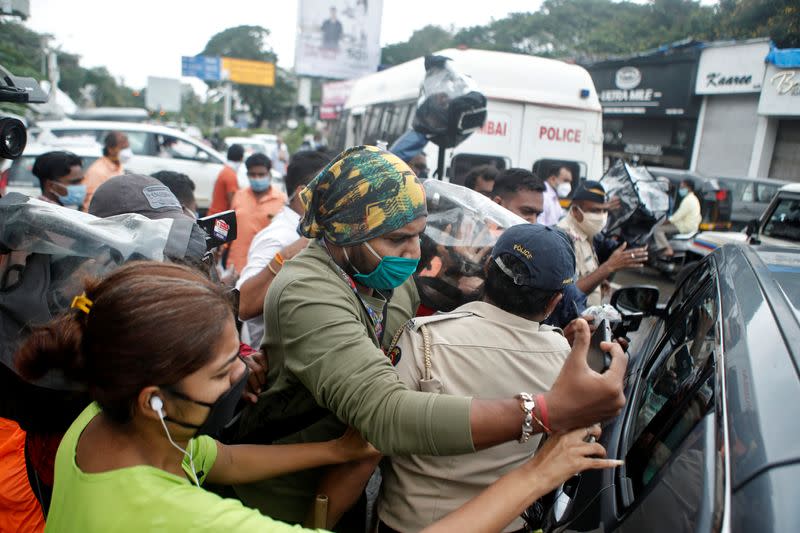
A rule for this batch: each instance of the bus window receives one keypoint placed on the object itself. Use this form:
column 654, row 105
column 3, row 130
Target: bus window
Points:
column 461, row 164
column 372, row 122
column 397, row 127
column 412, row 110
column 384, row 132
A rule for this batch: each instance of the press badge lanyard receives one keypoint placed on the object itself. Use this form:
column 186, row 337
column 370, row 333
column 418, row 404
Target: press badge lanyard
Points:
column 378, row 320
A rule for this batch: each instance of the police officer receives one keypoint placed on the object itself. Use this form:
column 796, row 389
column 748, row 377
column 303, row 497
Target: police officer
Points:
column 482, row 349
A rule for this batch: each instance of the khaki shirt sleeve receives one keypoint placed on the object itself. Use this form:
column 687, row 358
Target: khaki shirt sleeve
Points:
column 327, row 348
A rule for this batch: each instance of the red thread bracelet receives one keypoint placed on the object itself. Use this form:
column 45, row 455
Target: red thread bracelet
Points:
column 542, row 405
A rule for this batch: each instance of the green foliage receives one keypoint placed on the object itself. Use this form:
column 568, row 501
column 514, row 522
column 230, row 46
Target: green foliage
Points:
column 596, row 29
column 248, row 42
column 423, row 41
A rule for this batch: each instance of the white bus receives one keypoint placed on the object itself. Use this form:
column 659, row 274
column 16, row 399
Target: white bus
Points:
column 540, row 111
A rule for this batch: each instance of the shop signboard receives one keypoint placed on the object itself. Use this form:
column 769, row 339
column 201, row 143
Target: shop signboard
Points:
column 732, row 68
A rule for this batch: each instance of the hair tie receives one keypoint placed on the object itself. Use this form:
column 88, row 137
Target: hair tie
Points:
column 82, row 303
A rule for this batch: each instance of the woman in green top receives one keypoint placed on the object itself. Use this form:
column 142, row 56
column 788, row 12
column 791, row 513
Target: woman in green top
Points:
column 135, row 458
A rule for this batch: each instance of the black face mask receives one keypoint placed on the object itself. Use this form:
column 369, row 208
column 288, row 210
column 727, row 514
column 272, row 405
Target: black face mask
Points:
column 221, row 412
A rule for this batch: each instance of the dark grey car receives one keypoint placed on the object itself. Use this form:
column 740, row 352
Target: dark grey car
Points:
column 750, row 197
column 710, row 433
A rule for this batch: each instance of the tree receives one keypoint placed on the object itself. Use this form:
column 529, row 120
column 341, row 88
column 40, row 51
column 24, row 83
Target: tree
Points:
column 423, row 41
column 779, row 19
column 248, row 42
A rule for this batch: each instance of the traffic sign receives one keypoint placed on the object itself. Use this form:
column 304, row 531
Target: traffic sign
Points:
column 206, row 68
column 248, row 72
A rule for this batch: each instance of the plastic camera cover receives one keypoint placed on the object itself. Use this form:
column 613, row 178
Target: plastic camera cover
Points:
column 46, row 253
column 636, row 189
column 462, row 228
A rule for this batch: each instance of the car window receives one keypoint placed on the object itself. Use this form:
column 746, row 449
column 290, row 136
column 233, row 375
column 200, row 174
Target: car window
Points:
column 696, row 278
column 784, row 222
column 748, row 192
column 677, row 390
column 766, row 192
column 20, row 172
column 174, row 148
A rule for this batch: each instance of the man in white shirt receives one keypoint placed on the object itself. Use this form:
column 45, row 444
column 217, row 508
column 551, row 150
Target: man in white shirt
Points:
column 558, row 184
column 274, row 244
column 685, row 219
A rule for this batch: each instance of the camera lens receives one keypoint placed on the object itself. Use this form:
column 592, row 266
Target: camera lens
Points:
column 13, row 138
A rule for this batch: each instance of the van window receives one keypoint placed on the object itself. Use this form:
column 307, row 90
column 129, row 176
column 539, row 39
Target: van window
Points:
column 461, row 164
column 543, row 167
column 766, row 192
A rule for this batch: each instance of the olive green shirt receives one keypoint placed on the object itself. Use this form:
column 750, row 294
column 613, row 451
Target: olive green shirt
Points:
column 323, row 352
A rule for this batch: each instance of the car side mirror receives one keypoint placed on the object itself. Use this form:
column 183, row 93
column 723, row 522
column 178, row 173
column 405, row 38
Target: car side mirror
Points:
column 637, row 299
column 751, row 227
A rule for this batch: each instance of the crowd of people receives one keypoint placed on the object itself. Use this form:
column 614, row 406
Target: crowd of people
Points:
column 206, row 408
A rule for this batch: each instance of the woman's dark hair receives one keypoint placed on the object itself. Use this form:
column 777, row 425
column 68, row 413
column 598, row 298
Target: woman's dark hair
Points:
column 689, row 183
column 510, row 297
column 54, row 165
column 150, row 324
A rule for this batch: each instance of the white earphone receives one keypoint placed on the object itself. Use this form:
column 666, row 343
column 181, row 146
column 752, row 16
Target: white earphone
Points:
column 157, row 405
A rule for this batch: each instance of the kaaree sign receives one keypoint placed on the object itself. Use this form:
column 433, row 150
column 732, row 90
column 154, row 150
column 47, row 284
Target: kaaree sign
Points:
column 732, row 68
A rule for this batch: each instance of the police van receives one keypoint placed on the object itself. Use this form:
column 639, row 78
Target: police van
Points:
column 540, row 111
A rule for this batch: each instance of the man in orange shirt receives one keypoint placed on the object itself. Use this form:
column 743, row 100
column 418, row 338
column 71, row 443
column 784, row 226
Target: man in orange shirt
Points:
column 255, row 207
column 227, row 183
column 116, row 152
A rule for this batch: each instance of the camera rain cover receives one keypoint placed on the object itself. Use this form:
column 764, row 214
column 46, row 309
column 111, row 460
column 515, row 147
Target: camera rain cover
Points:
column 462, row 228
column 47, row 251
column 450, row 107
column 636, row 189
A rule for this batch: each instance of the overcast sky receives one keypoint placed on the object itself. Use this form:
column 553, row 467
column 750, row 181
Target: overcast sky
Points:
column 147, row 37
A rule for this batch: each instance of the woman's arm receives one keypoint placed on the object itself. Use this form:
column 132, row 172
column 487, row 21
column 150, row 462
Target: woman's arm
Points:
column 246, row 463
column 561, row 457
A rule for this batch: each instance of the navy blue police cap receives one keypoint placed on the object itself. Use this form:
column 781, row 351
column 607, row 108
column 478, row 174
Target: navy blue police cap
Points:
column 590, row 191
column 545, row 251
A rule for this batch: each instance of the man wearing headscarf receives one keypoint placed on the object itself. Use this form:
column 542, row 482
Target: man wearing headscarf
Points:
column 332, row 308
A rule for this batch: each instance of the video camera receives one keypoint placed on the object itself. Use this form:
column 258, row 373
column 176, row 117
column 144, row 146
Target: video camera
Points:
column 18, row 90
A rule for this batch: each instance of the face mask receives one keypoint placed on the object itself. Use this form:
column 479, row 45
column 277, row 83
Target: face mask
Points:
column 564, row 189
column 125, row 155
column 259, row 184
column 390, row 273
column 593, row 223
column 220, row 412
column 75, row 195
column 682, row 191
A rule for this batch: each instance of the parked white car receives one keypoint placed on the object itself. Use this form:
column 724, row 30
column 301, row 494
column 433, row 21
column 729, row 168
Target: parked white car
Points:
column 778, row 225
column 154, row 147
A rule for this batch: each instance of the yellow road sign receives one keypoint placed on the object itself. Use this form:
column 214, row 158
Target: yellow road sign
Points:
column 248, row 72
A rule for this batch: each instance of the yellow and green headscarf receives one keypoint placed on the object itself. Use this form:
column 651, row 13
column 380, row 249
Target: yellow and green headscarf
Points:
column 364, row 193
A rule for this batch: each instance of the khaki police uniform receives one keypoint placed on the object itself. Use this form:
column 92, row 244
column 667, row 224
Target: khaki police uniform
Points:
column 586, row 260
column 480, row 351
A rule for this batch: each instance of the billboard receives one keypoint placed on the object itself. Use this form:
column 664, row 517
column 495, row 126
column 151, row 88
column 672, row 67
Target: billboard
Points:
column 163, row 94
column 338, row 39
column 334, row 96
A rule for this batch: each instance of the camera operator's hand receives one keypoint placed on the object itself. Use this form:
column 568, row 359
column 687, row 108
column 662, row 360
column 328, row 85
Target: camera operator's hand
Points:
column 624, row 257
column 580, row 396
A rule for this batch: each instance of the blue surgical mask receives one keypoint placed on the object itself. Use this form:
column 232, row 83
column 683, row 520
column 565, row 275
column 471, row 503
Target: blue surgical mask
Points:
column 682, row 191
column 260, row 184
column 75, row 196
column 390, row 273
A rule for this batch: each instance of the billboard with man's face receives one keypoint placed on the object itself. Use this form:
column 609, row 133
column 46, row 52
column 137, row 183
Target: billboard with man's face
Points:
column 338, row 38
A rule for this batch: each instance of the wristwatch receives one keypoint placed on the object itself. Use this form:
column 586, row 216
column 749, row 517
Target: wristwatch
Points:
column 527, row 407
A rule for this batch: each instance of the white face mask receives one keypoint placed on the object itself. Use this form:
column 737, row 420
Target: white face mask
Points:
column 125, row 155
column 563, row 189
column 593, row 223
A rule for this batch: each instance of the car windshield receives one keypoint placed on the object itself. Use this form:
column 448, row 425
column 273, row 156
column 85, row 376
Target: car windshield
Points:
column 784, row 223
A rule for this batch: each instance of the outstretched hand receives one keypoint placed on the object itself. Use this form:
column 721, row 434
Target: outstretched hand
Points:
column 580, row 396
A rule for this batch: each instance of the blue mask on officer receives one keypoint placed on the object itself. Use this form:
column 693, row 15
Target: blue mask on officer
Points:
column 75, row 196
column 390, row 273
